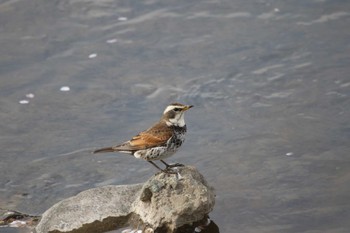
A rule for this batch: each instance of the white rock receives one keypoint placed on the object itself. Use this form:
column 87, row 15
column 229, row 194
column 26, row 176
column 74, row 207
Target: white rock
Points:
column 30, row 95
column 65, row 88
column 122, row 18
column 24, row 101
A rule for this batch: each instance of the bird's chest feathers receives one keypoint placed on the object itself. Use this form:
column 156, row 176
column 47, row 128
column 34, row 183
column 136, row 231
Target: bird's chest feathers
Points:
column 178, row 137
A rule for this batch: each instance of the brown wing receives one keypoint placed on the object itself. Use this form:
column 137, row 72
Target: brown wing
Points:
column 157, row 135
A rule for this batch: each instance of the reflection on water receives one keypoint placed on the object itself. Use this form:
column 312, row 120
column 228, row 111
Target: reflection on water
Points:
column 269, row 79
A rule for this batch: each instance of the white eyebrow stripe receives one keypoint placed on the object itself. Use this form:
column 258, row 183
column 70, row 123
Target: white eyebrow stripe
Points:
column 170, row 107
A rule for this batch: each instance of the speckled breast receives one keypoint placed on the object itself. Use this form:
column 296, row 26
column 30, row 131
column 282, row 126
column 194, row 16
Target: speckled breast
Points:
column 168, row 149
column 177, row 139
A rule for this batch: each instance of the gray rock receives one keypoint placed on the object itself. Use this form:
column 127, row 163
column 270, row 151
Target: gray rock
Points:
column 94, row 210
column 165, row 201
column 173, row 202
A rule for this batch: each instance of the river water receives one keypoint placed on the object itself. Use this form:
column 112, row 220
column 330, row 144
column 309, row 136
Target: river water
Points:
column 269, row 80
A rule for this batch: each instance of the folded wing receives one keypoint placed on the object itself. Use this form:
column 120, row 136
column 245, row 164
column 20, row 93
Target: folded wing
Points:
column 157, row 135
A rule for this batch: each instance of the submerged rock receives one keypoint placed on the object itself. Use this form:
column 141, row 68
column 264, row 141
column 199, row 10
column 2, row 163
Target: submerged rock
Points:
column 164, row 203
column 14, row 221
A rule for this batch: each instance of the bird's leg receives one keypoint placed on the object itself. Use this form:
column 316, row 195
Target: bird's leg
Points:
column 168, row 171
column 172, row 165
column 155, row 165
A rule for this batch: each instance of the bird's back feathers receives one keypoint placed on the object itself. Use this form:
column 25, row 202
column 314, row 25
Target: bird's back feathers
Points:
column 157, row 135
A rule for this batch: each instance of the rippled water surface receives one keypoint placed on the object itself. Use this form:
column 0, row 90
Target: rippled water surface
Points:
column 269, row 80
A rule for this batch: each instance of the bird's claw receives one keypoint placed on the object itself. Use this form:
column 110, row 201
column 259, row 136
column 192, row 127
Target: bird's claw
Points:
column 174, row 165
column 168, row 170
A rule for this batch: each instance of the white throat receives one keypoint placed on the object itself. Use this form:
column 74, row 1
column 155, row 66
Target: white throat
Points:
column 179, row 120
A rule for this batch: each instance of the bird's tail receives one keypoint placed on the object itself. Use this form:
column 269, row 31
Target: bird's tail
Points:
column 104, row 150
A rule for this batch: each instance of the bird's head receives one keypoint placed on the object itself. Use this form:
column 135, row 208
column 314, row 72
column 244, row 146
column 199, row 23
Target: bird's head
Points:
column 174, row 114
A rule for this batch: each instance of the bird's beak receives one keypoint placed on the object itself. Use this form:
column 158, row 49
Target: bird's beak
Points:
column 187, row 107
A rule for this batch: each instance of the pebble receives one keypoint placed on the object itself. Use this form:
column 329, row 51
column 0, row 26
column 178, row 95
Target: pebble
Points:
column 17, row 223
column 24, row 101
column 122, row 18
column 93, row 55
column 30, row 95
column 111, row 41
column 65, row 88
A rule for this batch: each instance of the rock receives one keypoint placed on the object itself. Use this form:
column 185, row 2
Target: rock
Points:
column 171, row 202
column 94, row 210
column 164, row 203
column 15, row 219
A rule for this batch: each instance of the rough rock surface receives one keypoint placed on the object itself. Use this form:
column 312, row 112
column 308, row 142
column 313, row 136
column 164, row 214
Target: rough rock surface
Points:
column 93, row 210
column 164, row 203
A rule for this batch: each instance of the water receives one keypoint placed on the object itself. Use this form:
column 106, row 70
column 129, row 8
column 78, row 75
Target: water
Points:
column 269, row 80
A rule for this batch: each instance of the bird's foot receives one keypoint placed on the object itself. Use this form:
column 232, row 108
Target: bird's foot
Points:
column 169, row 170
column 174, row 165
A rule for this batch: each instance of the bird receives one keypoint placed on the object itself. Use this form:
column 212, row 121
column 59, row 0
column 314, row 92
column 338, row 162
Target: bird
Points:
column 158, row 142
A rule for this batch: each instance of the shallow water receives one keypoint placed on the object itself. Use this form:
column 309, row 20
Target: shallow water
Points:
column 269, row 80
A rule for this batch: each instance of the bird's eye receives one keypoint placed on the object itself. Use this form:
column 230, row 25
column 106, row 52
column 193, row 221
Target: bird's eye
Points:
column 177, row 109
